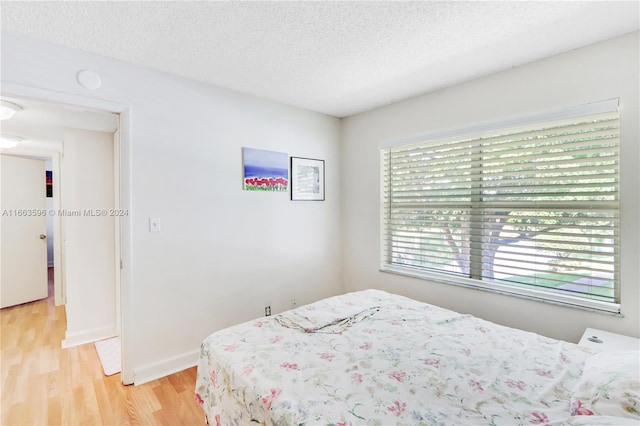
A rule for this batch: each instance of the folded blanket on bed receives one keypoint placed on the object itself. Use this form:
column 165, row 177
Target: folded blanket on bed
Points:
column 330, row 315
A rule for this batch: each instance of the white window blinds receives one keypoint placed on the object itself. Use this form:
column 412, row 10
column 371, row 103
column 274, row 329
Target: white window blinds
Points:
column 531, row 209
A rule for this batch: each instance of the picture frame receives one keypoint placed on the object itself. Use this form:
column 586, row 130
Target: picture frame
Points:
column 265, row 170
column 49, row 183
column 307, row 179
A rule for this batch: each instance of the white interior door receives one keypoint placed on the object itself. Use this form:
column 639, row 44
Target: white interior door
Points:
column 23, row 230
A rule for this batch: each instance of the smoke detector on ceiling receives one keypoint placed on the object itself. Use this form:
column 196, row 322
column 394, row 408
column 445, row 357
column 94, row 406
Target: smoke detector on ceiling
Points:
column 89, row 79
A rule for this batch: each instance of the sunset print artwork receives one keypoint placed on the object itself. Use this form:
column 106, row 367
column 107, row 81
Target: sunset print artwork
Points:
column 265, row 170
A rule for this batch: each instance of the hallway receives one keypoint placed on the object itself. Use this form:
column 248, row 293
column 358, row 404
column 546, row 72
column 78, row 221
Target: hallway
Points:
column 43, row 384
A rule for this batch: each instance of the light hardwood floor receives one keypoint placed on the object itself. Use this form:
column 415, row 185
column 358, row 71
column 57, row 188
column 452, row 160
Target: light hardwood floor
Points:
column 43, row 384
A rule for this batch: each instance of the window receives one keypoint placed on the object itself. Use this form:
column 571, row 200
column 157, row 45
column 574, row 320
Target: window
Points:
column 529, row 209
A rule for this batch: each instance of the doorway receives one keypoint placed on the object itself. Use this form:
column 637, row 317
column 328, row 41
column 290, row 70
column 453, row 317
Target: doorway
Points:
column 122, row 156
column 82, row 148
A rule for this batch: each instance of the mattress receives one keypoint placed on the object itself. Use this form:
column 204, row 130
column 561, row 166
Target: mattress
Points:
column 376, row 358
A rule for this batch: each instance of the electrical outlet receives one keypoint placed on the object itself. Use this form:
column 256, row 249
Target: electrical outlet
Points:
column 267, row 310
column 294, row 303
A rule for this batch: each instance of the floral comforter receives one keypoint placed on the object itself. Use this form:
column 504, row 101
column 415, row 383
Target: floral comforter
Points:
column 386, row 360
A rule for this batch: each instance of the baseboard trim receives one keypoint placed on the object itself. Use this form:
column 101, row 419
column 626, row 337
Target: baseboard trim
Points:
column 88, row 336
column 165, row 367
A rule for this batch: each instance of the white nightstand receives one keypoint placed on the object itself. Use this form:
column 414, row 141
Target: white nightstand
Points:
column 607, row 342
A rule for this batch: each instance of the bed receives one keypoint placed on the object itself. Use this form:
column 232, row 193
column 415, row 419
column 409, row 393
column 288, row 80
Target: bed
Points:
column 375, row 358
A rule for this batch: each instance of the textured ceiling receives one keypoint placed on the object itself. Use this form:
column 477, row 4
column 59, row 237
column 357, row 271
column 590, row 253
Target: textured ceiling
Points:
column 338, row 58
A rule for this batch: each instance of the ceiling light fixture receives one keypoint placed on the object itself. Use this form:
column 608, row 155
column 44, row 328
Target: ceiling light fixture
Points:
column 7, row 109
column 9, row 141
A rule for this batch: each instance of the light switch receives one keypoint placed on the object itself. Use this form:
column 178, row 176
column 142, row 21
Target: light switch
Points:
column 154, row 224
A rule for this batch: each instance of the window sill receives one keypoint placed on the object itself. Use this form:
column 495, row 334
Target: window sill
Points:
column 530, row 294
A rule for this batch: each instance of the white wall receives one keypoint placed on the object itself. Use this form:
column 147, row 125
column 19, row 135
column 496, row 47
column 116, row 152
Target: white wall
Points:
column 223, row 252
column 602, row 71
column 87, row 187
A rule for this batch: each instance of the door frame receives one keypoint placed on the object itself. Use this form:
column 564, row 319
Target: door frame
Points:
column 122, row 144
